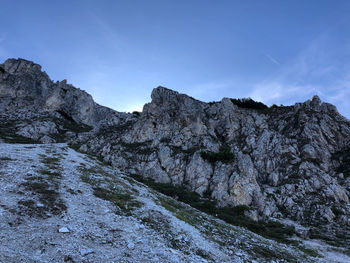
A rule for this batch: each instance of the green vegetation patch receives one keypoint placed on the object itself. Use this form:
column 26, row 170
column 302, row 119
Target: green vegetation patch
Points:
column 52, row 165
column 123, row 200
column 272, row 254
column 248, row 103
column 50, row 160
column 338, row 238
column 115, row 129
column 8, row 133
column 165, row 140
column 178, row 150
column 159, row 223
column 6, row 159
column 232, row 215
column 45, row 188
column 67, row 123
column 170, row 206
column 30, row 208
column 70, row 125
column 52, row 175
column 48, row 195
column 113, row 193
column 224, row 155
column 204, row 254
column 137, row 147
column 310, row 252
column 156, row 220
column 176, row 192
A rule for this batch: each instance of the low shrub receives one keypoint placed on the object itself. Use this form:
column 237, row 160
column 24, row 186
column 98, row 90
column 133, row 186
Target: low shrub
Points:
column 249, row 103
column 224, row 155
column 343, row 157
column 8, row 134
column 232, row 215
column 5, row 158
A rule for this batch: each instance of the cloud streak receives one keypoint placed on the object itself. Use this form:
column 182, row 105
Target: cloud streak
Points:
column 278, row 93
column 4, row 54
column 2, row 38
column 315, row 70
column 273, row 60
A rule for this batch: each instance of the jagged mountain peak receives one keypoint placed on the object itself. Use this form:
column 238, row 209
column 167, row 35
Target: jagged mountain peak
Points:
column 171, row 99
column 25, row 89
column 161, row 93
column 20, row 65
column 316, row 99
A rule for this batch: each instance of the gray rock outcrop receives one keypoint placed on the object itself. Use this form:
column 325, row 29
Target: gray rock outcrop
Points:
column 41, row 107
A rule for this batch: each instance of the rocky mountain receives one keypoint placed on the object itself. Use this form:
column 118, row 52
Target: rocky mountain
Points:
column 33, row 106
column 280, row 171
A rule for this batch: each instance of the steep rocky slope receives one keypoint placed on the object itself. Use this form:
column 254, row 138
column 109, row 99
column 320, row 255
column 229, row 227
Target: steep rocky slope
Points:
column 266, row 167
column 33, row 106
column 58, row 205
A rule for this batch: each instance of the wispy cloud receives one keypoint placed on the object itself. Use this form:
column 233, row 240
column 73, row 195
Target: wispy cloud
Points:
column 111, row 37
column 2, row 38
column 273, row 60
column 341, row 95
column 213, row 90
column 4, row 54
column 279, row 93
column 315, row 70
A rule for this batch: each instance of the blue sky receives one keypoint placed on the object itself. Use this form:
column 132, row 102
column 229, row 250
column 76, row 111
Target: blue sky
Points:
column 278, row 52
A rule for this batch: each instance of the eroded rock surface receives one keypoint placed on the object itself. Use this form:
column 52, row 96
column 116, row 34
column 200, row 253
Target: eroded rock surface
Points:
column 35, row 107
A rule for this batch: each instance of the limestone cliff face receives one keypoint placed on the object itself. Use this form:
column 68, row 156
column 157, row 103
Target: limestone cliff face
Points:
column 24, row 84
column 287, row 162
column 46, row 108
